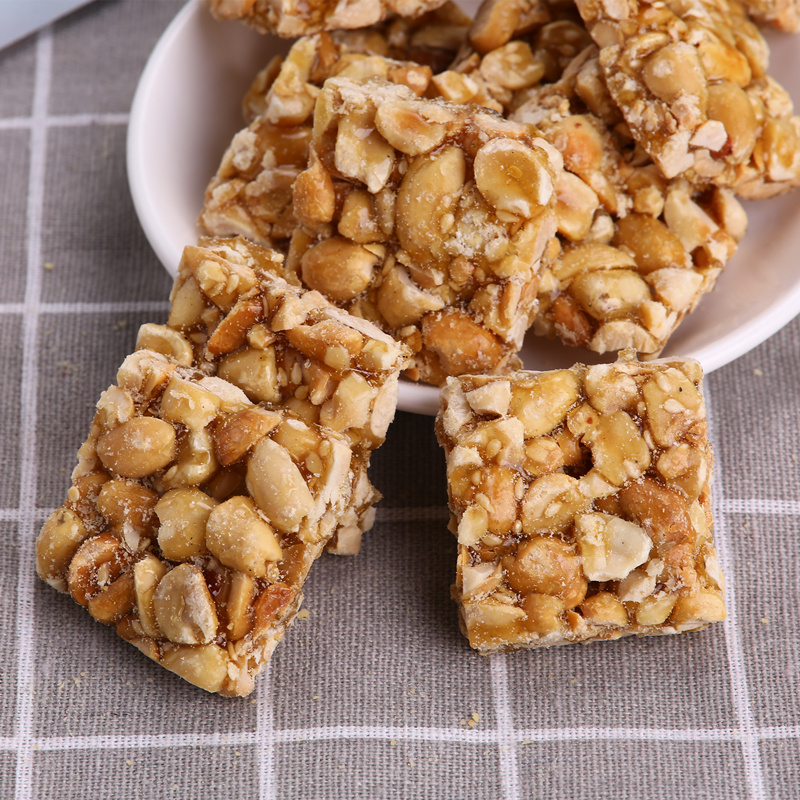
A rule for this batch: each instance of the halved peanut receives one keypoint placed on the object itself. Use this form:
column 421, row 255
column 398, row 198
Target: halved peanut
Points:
column 270, row 604
column 401, row 302
column 59, row 539
column 167, row 341
column 238, row 605
column 240, row 538
column 349, row 406
column 236, row 434
column 185, row 402
column 655, row 610
column 205, row 665
column 324, row 339
column 547, row 566
column 278, row 486
column 604, row 609
column 698, row 609
column 183, row 607
column 513, row 177
column 661, row 511
column 551, row 503
column 253, row 371
column 114, row 601
column 183, row 514
column 429, row 191
column 480, row 579
column 610, row 294
column 493, row 398
column 232, row 331
column 407, row 128
column 338, row 268
column 674, row 72
column 650, row 242
column 96, row 563
column 544, row 612
column 575, row 206
column 674, row 406
column 611, row 547
column 186, row 304
column 619, row 451
column 361, row 153
column 138, row 447
column 195, row 463
column 584, row 258
column 609, row 389
column 146, row 575
column 460, row 343
column 542, row 400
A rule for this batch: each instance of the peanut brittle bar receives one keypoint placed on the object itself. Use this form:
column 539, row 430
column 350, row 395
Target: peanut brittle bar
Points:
column 580, row 499
column 330, row 368
column 211, row 479
column 635, row 252
column 427, row 218
column 251, row 193
column 690, row 79
column 294, row 18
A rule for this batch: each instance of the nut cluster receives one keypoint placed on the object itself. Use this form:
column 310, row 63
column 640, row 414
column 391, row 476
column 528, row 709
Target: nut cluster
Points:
column 690, row 80
column 233, row 448
column 291, row 18
column 251, row 194
column 580, row 499
column 428, row 218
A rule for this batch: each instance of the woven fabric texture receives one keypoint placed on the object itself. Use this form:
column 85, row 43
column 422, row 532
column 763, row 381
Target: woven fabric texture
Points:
column 376, row 694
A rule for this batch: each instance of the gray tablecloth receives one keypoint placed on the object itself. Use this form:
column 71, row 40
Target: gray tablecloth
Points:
column 376, row 694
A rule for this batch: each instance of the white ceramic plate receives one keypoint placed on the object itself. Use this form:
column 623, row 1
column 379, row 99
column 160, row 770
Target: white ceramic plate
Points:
column 187, row 108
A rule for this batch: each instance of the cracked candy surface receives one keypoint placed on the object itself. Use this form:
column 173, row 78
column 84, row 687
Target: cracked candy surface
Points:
column 580, row 500
column 428, row 218
column 232, row 449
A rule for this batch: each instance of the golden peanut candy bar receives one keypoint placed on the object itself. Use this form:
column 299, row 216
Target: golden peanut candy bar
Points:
column 427, row 218
column 781, row 14
column 200, row 564
column 235, row 317
column 294, row 18
column 251, row 193
column 635, row 252
column 226, row 457
column 580, row 499
column 690, row 79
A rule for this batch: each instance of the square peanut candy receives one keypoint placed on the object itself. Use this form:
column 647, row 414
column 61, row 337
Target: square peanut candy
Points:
column 428, row 218
column 580, row 499
column 231, row 450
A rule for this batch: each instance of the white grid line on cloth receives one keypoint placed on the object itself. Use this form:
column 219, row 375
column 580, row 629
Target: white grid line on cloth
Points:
column 265, row 734
column 29, row 386
column 506, row 745
column 758, row 505
column 63, row 121
column 476, row 735
column 86, row 308
column 740, row 691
